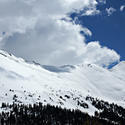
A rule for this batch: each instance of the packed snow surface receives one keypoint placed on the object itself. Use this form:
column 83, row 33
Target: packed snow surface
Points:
column 63, row 86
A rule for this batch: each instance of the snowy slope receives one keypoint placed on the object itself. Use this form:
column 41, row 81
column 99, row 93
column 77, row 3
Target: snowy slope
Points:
column 119, row 70
column 64, row 86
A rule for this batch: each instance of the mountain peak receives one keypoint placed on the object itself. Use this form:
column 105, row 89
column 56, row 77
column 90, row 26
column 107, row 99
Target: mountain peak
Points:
column 119, row 66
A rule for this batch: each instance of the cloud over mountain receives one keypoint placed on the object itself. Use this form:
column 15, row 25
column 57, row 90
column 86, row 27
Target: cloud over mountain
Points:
column 35, row 30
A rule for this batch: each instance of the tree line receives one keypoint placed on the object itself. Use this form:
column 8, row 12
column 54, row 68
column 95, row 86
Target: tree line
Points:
column 38, row 114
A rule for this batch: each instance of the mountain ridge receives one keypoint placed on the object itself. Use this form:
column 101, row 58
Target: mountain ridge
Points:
column 31, row 83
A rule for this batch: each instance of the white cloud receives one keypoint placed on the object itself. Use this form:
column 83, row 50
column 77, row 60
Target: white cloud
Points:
column 122, row 7
column 100, row 55
column 102, row 1
column 110, row 11
column 34, row 31
column 90, row 12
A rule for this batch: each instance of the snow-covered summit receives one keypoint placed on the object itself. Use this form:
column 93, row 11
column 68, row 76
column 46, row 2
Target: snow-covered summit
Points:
column 66, row 85
column 119, row 70
column 120, row 66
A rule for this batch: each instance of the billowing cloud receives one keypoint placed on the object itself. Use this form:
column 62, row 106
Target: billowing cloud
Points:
column 110, row 11
column 99, row 55
column 40, row 30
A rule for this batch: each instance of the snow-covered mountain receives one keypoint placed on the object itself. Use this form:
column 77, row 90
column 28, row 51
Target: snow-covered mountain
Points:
column 65, row 86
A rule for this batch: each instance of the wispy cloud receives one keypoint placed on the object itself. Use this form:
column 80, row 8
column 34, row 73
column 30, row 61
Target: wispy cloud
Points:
column 91, row 12
column 110, row 11
column 122, row 7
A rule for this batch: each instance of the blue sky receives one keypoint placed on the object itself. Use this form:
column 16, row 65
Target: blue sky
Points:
column 109, row 30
